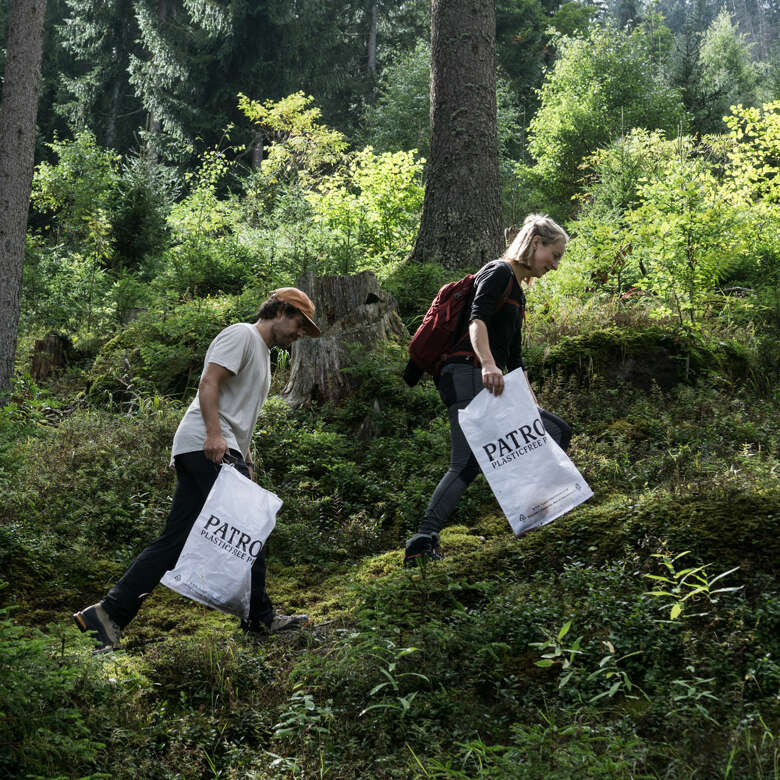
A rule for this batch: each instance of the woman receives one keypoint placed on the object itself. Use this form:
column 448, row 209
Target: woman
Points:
column 490, row 346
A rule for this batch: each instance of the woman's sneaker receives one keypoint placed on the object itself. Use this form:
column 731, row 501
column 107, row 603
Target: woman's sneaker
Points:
column 422, row 548
column 98, row 622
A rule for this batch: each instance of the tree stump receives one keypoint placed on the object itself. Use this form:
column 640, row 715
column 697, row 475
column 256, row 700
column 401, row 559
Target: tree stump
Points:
column 50, row 354
column 352, row 311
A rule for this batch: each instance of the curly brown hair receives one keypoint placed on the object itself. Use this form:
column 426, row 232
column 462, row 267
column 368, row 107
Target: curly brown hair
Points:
column 273, row 306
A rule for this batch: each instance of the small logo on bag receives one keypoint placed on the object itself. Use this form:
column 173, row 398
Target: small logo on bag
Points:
column 522, row 518
column 177, row 578
column 577, row 486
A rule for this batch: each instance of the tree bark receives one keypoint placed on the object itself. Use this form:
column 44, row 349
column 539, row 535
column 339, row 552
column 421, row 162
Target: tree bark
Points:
column 461, row 223
column 113, row 115
column 372, row 42
column 354, row 315
column 257, row 150
column 18, row 110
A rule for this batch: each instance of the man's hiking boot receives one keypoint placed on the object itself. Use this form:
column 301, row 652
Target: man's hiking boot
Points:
column 279, row 623
column 98, row 622
column 422, row 548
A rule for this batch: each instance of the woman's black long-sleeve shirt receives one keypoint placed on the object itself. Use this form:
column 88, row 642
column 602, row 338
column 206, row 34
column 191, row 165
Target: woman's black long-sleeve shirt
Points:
column 504, row 322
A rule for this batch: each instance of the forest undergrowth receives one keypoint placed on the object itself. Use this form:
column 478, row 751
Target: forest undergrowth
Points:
column 636, row 636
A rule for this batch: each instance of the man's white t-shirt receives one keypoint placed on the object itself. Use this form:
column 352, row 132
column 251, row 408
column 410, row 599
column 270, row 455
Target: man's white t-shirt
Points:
column 241, row 350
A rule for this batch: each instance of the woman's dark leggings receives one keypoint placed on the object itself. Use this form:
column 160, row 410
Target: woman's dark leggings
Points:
column 458, row 385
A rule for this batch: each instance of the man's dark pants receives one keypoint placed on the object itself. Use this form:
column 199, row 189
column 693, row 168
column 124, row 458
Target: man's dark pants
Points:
column 196, row 474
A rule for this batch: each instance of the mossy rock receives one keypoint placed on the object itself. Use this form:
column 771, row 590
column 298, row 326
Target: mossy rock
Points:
column 592, row 534
column 643, row 358
column 735, row 529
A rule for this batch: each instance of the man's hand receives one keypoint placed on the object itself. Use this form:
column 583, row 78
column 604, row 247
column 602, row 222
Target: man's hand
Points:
column 493, row 379
column 215, row 447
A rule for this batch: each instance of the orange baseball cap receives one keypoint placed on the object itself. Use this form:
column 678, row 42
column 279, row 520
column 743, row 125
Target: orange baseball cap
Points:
column 302, row 302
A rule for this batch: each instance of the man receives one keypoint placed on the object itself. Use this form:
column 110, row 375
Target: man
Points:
column 217, row 425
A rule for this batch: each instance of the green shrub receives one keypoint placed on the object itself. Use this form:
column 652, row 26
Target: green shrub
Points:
column 207, row 266
column 372, row 209
column 44, row 695
column 61, row 543
column 414, row 286
column 145, row 194
column 163, row 352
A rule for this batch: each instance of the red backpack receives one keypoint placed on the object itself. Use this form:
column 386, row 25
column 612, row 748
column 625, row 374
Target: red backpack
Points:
column 441, row 327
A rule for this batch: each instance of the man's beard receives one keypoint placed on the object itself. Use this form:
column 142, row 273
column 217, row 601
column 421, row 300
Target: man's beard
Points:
column 280, row 337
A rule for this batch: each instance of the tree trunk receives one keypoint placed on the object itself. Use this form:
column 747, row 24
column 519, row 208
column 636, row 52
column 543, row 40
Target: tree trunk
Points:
column 116, row 91
column 461, row 222
column 257, row 150
column 353, row 314
column 372, row 42
column 154, row 123
column 18, row 109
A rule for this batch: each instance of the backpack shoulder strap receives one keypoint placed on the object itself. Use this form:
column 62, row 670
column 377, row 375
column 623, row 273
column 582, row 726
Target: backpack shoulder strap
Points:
column 508, row 291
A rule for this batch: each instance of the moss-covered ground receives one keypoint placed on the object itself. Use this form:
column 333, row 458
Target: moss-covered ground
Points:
column 560, row 654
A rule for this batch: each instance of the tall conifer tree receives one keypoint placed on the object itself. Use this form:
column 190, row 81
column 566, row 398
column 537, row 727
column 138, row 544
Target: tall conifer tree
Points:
column 18, row 108
column 461, row 221
column 100, row 36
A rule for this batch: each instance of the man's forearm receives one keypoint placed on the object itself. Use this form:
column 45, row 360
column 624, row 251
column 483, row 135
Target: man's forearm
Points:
column 208, row 394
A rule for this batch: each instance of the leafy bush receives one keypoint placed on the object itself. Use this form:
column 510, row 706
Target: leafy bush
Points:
column 372, row 210
column 414, row 286
column 205, row 267
column 600, row 86
column 680, row 230
column 82, row 183
column 145, row 194
column 163, row 351
column 686, row 237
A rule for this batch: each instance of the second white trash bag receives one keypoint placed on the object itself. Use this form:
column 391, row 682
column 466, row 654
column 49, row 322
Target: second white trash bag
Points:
column 530, row 475
column 215, row 565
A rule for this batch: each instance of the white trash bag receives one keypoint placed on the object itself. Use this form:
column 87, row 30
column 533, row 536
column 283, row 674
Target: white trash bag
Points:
column 215, row 565
column 530, row 475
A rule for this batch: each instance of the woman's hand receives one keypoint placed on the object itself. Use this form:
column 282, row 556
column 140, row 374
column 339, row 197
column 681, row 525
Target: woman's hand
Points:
column 492, row 376
column 493, row 379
